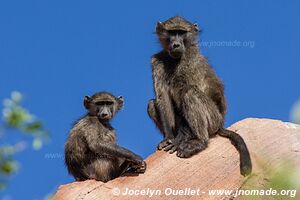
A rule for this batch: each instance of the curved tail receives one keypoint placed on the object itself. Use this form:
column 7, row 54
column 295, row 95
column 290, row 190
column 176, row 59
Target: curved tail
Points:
column 239, row 143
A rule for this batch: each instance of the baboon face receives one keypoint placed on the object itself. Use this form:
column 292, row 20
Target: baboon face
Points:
column 103, row 105
column 176, row 34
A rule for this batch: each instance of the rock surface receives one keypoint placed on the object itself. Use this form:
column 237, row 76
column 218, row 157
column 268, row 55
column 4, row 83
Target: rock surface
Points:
column 270, row 142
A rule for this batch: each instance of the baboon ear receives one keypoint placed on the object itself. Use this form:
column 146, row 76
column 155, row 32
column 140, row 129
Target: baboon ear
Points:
column 120, row 102
column 159, row 27
column 87, row 101
column 196, row 27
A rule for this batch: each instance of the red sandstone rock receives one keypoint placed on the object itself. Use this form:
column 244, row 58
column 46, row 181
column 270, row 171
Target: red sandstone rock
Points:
column 270, row 142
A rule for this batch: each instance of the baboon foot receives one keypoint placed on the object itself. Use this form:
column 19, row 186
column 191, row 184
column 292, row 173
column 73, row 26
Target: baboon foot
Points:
column 189, row 148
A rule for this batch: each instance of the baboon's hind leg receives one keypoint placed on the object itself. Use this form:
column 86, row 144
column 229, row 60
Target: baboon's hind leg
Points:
column 200, row 123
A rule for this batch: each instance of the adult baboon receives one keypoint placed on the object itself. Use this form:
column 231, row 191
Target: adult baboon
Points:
column 189, row 105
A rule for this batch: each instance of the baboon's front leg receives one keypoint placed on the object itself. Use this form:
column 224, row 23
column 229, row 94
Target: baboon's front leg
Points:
column 164, row 120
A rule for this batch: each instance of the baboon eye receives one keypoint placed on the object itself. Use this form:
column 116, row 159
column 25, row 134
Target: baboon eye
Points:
column 109, row 103
column 102, row 103
column 177, row 32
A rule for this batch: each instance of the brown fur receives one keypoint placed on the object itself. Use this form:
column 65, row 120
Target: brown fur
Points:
column 190, row 105
column 91, row 151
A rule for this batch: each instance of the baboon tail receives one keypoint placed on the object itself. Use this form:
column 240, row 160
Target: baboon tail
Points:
column 240, row 145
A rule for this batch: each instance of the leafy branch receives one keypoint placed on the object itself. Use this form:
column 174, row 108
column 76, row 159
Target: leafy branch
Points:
column 16, row 117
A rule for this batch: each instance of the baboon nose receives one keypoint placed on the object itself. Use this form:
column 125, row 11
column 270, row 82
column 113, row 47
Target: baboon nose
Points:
column 176, row 45
column 104, row 114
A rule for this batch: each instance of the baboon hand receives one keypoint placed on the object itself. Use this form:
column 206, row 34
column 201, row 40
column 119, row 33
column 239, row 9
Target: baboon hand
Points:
column 172, row 146
column 169, row 144
column 140, row 168
column 164, row 143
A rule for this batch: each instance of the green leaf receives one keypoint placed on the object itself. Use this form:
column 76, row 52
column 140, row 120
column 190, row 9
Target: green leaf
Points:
column 16, row 96
column 33, row 127
column 37, row 144
column 7, row 150
column 8, row 167
column 2, row 185
column 17, row 117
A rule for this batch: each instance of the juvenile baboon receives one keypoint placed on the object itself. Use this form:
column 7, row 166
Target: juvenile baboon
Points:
column 91, row 151
column 190, row 106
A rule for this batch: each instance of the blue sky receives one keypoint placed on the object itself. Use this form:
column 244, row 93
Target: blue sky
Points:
column 55, row 52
